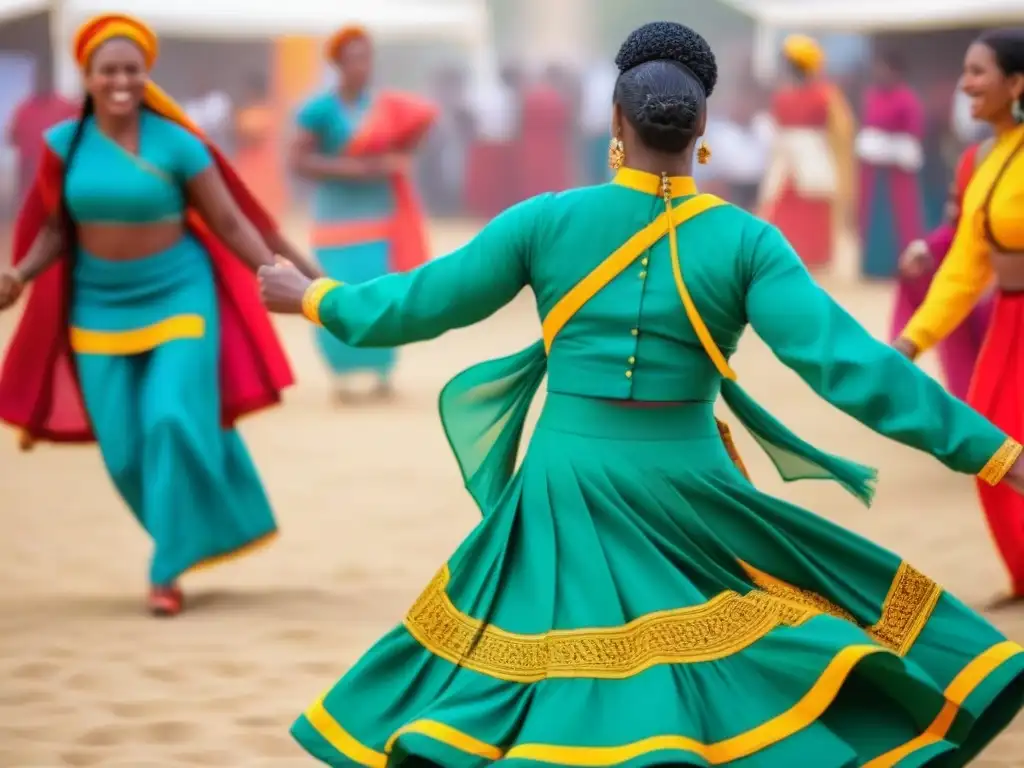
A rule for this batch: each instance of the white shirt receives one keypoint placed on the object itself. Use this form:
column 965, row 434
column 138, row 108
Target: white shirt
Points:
column 741, row 152
column 212, row 112
column 496, row 113
column 596, row 112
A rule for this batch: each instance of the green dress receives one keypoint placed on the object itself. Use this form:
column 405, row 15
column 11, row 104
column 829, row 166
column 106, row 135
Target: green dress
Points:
column 629, row 598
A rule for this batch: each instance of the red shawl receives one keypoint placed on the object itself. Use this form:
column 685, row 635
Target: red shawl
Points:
column 395, row 123
column 39, row 391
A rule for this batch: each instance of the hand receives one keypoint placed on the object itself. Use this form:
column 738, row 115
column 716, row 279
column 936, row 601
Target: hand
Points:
column 282, row 287
column 906, row 347
column 392, row 164
column 304, row 264
column 11, row 286
column 916, row 260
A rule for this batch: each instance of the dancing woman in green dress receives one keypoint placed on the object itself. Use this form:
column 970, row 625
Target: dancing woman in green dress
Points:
column 629, row 598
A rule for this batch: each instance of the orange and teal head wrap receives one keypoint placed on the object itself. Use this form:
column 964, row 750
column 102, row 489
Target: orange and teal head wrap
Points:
column 108, row 26
column 348, row 34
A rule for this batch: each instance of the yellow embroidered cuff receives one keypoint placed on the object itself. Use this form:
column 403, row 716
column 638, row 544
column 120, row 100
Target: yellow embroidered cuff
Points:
column 997, row 467
column 314, row 295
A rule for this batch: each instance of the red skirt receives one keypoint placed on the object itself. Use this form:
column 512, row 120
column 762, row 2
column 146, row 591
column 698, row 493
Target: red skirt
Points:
column 807, row 223
column 997, row 392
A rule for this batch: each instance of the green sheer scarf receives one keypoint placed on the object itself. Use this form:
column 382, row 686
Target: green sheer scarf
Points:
column 484, row 409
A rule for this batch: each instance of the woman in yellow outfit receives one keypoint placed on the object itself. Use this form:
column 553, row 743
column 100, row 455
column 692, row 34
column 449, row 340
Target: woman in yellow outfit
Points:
column 989, row 244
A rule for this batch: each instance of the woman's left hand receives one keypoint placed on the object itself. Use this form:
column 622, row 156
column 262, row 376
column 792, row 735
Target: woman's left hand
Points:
column 282, row 287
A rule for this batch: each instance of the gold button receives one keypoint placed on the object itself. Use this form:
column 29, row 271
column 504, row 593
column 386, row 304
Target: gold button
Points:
column 643, row 274
column 644, row 261
column 631, row 360
column 634, row 331
column 629, row 374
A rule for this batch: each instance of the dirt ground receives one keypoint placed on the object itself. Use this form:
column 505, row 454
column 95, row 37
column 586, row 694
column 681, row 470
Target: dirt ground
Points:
column 370, row 505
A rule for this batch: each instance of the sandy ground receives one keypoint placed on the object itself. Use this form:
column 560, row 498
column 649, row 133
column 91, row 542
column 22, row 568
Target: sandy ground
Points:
column 370, row 505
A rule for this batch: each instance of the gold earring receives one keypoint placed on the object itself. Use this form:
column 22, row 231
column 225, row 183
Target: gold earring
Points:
column 616, row 153
column 703, row 153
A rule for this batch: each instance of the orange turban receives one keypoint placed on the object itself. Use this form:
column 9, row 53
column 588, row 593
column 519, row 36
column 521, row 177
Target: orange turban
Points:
column 804, row 53
column 108, row 26
column 101, row 29
column 347, row 34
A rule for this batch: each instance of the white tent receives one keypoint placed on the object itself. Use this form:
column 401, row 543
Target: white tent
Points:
column 463, row 22
column 14, row 9
column 875, row 15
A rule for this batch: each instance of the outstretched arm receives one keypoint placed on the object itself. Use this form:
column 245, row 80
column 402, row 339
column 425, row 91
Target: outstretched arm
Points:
column 870, row 381
column 453, row 291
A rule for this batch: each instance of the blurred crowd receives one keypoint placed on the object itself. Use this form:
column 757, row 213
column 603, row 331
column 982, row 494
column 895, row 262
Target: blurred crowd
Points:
column 539, row 128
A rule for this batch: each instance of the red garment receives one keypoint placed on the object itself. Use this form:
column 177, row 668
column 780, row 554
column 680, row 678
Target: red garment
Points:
column 30, row 121
column 545, row 149
column 997, row 392
column 39, row 391
column 396, row 122
column 807, row 222
column 491, row 173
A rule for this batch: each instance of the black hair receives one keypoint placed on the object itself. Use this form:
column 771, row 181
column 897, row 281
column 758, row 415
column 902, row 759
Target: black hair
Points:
column 69, row 228
column 1007, row 45
column 666, row 73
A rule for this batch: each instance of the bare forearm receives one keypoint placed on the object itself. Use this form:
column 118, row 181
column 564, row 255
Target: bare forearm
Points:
column 43, row 254
column 245, row 241
column 313, row 166
column 281, row 246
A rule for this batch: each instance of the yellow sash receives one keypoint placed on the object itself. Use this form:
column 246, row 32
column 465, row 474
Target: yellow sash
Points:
column 665, row 224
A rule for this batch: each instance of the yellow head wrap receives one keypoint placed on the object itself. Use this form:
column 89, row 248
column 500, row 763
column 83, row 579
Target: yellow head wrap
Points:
column 347, row 34
column 108, row 26
column 804, row 53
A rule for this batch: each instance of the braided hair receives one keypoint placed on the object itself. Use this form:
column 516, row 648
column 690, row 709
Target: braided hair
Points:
column 1007, row 46
column 666, row 73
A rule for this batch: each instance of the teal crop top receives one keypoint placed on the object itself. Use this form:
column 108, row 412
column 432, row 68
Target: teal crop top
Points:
column 108, row 184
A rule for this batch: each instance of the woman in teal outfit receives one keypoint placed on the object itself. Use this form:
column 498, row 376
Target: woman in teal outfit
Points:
column 136, row 241
column 629, row 597
column 356, row 146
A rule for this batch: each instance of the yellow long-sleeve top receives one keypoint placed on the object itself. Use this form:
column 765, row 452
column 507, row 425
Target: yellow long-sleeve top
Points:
column 991, row 218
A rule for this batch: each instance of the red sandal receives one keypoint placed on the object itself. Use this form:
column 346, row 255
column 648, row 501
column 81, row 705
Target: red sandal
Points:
column 166, row 601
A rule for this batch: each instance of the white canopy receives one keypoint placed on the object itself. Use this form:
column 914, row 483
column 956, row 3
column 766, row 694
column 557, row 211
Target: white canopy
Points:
column 465, row 22
column 878, row 15
column 13, row 9
column 261, row 18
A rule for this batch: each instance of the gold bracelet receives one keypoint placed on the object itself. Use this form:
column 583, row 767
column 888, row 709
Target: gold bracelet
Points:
column 1002, row 460
column 314, row 295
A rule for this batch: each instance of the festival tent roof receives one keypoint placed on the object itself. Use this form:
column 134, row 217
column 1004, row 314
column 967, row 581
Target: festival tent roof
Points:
column 878, row 15
column 259, row 18
column 13, row 9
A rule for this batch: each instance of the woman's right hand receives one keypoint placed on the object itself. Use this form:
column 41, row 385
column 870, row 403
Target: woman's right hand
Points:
column 11, row 286
column 916, row 260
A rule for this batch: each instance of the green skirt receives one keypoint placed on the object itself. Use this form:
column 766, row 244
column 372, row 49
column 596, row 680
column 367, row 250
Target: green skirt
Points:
column 634, row 601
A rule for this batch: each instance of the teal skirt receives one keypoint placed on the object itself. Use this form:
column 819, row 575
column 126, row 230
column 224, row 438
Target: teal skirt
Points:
column 633, row 600
column 146, row 336
column 354, row 264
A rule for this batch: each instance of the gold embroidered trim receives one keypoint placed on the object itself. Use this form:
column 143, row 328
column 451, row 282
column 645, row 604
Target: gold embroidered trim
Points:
column 314, row 295
column 997, row 467
column 137, row 340
column 907, row 607
column 724, row 625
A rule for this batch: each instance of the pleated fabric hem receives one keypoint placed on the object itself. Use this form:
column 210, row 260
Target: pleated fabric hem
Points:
column 995, row 673
column 234, row 553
